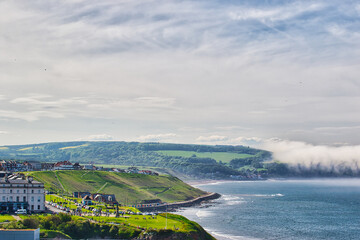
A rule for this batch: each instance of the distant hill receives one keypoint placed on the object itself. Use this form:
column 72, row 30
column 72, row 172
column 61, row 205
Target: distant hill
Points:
column 128, row 188
column 200, row 161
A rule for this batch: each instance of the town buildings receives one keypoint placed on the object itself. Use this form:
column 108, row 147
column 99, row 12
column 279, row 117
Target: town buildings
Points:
column 98, row 197
column 19, row 193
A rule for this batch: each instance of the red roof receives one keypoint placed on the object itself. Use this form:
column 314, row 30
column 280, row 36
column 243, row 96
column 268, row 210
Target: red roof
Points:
column 62, row 163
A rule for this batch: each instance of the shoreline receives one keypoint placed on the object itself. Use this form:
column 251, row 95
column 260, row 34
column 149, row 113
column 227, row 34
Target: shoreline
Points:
column 205, row 182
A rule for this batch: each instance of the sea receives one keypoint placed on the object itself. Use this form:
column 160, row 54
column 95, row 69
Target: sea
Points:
column 281, row 209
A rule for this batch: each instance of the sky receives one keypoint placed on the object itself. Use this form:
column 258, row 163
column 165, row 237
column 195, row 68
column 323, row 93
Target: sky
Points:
column 274, row 74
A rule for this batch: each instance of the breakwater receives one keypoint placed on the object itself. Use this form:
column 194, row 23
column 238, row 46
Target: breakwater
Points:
column 173, row 206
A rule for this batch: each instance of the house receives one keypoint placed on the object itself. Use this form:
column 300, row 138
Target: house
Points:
column 77, row 166
column 105, row 198
column 31, row 166
column 35, row 165
column 148, row 172
column 132, row 170
column 81, row 194
column 64, row 165
column 19, row 193
column 88, row 167
column 87, row 200
column 47, row 166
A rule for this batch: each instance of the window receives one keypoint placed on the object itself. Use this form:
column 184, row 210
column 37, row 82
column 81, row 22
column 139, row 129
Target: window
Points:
column 24, row 199
column 32, row 199
column 17, row 191
column 10, row 190
column 3, row 190
column 38, row 207
column 39, row 199
column 24, row 191
column 18, row 199
column 11, row 198
column 32, row 207
column 32, row 191
column 3, row 198
column 39, row 191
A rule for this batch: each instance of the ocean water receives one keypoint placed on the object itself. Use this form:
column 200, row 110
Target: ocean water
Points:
column 281, row 209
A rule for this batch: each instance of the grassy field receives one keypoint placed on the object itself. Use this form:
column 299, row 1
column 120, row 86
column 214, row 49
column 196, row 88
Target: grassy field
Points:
column 4, row 218
column 225, row 157
column 128, row 188
column 143, row 221
column 72, row 147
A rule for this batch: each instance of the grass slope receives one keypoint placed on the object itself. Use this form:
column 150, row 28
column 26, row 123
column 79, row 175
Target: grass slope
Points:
column 225, row 157
column 128, row 188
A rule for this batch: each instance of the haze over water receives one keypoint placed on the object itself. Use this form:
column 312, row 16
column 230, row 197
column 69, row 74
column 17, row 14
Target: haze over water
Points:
column 289, row 209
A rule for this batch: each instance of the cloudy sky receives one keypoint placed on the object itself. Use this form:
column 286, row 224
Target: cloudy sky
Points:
column 200, row 71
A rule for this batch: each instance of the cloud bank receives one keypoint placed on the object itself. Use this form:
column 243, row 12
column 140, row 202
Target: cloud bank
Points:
column 310, row 156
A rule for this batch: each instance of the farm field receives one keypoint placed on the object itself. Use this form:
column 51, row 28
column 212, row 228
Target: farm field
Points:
column 225, row 157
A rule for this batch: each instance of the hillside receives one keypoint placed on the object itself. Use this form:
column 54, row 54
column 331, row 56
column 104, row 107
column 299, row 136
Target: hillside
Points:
column 128, row 188
column 200, row 161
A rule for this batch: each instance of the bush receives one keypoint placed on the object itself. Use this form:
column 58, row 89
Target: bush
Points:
column 32, row 223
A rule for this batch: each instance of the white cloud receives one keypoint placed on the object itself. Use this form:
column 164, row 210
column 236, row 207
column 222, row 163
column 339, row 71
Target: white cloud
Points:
column 157, row 137
column 248, row 141
column 99, row 137
column 212, row 138
column 29, row 116
column 3, row 132
column 276, row 13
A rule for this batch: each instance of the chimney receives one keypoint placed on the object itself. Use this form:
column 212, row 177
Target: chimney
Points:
column 30, row 179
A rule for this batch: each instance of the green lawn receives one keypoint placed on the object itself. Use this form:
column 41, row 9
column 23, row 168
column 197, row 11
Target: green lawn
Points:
column 225, row 157
column 6, row 218
column 144, row 221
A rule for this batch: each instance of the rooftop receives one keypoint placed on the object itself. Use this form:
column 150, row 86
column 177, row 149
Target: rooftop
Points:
column 13, row 179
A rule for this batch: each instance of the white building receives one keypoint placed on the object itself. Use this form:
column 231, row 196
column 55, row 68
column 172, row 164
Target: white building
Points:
column 65, row 165
column 17, row 193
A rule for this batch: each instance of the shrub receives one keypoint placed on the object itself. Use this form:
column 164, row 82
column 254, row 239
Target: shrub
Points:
column 32, row 223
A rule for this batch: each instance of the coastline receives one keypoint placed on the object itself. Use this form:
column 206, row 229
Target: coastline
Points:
column 199, row 182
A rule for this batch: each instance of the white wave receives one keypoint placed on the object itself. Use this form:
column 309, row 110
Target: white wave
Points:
column 235, row 202
column 231, row 197
column 204, row 213
column 263, row 195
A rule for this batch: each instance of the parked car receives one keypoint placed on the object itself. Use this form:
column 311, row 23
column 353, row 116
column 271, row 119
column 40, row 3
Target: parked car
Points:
column 21, row 211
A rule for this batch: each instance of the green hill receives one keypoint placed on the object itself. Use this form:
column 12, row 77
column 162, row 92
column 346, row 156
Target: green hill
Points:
column 128, row 188
column 200, row 161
